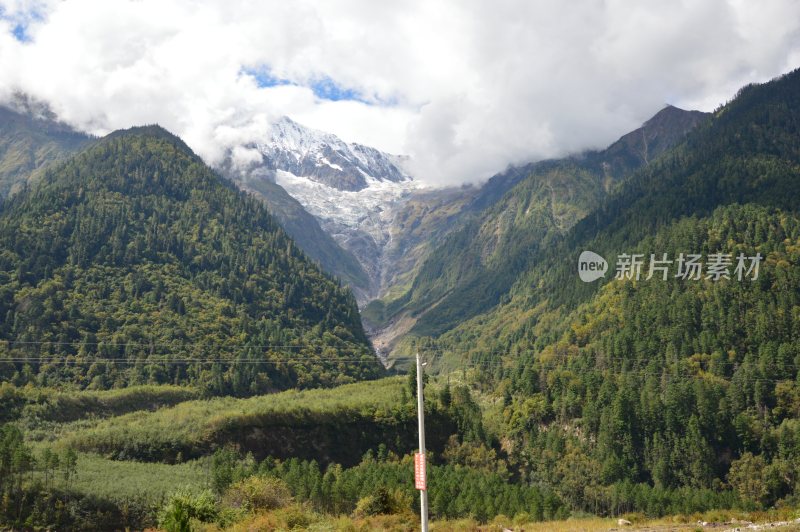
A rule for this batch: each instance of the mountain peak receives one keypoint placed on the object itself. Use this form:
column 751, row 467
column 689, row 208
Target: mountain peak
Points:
column 352, row 190
column 664, row 130
column 155, row 131
column 670, row 116
column 325, row 158
column 289, row 133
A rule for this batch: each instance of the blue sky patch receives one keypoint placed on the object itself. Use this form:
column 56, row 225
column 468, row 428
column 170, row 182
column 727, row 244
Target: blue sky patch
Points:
column 327, row 89
column 265, row 78
column 20, row 23
column 20, row 33
column 323, row 88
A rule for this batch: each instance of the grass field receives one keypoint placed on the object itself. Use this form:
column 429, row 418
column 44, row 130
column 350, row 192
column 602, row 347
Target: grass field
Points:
column 126, row 480
column 194, row 428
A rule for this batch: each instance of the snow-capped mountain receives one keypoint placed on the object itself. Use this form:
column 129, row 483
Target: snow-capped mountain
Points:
column 353, row 191
column 326, row 159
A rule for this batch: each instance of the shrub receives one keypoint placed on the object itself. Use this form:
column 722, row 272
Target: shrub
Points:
column 381, row 502
column 297, row 516
column 258, row 493
column 183, row 506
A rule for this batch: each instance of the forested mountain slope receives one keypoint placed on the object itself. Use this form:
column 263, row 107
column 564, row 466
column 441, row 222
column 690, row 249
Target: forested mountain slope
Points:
column 134, row 253
column 475, row 266
column 676, row 383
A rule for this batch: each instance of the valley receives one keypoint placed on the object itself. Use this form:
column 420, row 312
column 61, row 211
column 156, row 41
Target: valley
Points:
column 398, row 228
column 363, row 199
column 230, row 347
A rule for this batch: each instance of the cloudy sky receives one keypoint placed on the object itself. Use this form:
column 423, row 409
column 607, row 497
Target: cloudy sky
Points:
column 463, row 87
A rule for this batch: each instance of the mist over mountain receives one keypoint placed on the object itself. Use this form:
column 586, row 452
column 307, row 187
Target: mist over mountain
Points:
column 132, row 269
column 30, row 138
column 515, row 214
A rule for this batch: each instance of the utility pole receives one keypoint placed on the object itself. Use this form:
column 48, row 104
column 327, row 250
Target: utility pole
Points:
column 420, row 466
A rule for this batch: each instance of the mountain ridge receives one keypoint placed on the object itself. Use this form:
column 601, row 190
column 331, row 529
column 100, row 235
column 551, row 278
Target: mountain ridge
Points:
column 650, row 385
column 478, row 263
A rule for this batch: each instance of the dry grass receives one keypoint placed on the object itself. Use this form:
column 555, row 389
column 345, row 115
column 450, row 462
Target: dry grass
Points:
column 410, row 522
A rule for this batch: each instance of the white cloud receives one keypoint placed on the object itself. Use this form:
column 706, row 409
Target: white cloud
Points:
column 463, row 87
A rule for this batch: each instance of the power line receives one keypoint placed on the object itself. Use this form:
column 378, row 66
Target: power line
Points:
column 502, row 356
column 501, row 359
column 278, row 347
column 177, row 361
column 155, row 344
column 665, row 374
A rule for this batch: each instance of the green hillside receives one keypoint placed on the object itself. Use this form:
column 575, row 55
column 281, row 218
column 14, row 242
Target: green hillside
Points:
column 31, row 138
column 649, row 385
column 134, row 253
column 305, row 424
